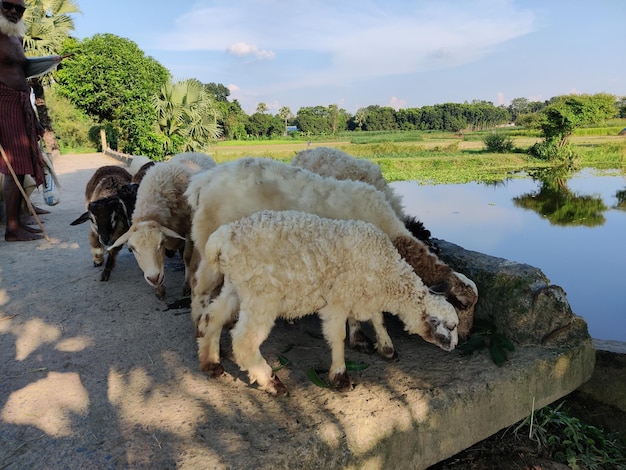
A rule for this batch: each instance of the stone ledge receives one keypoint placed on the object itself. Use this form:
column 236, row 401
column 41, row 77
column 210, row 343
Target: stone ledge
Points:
column 429, row 405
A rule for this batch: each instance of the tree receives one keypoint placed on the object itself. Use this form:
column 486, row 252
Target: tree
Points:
column 262, row 108
column 48, row 23
column 234, row 120
column 563, row 115
column 114, row 82
column 187, row 117
column 220, row 92
column 285, row 114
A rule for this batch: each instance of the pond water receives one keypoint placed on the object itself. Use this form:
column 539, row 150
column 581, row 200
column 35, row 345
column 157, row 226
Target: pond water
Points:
column 572, row 228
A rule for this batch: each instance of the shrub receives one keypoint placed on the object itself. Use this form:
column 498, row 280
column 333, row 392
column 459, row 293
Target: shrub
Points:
column 498, row 143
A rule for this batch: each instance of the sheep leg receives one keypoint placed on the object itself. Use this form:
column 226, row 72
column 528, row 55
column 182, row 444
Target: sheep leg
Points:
column 220, row 311
column 187, row 259
column 247, row 339
column 334, row 329
column 384, row 346
column 97, row 249
column 357, row 338
column 110, row 264
column 204, row 283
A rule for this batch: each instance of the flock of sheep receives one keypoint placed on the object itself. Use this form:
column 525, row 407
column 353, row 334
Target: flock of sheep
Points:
column 262, row 240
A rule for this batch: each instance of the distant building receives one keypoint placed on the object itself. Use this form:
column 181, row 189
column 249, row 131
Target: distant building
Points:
column 292, row 129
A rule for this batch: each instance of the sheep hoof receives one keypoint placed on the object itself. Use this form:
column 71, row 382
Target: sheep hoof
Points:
column 213, row 370
column 388, row 353
column 105, row 275
column 98, row 263
column 342, row 382
column 160, row 292
column 361, row 343
column 276, row 387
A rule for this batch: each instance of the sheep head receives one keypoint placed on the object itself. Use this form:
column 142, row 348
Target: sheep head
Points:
column 437, row 324
column 462, row 293
column 148, row 241
column 459, row 290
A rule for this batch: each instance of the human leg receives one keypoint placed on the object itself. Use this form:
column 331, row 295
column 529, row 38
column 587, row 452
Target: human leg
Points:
column 15, row 230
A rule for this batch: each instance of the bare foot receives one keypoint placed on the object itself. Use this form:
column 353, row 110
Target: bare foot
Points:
column 39, row 210
column 21, row 236
column 30, row 220
column 30, row 229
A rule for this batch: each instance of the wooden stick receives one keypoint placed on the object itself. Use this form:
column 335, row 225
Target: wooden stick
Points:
column 24, row 195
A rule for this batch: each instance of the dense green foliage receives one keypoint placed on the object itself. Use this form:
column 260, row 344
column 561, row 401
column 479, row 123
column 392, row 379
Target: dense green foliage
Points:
column 187, row 117
column 498, row 142
column 71, row 125
column 114, row 82
column 572, row 442
column 563, row 115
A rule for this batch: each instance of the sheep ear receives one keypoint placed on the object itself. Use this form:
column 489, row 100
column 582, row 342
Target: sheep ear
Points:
column 170, row 233
column 439, row 289
column 84, row 217
column 121, row 240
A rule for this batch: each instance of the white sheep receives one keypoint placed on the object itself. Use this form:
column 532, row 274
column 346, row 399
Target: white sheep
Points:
column 137, row 162
column 161, row 222
column 195, row 161
column 242, row 187
column 288, row 264
column 334, row 163
column 162, row 218
column 328, row 161
column 331, row 162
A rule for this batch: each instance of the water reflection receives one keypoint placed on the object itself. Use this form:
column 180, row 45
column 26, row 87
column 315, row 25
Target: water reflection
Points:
column 558, row 203
column 571, row 227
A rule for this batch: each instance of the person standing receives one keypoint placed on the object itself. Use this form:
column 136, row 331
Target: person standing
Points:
column 19, row 126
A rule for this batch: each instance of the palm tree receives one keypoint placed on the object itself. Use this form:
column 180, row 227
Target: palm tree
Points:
column 48, row 24
column 187, row 116
column 262, row 108
column 286, row 114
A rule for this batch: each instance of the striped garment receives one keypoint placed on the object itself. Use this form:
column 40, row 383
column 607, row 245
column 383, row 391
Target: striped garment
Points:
column 18, row 134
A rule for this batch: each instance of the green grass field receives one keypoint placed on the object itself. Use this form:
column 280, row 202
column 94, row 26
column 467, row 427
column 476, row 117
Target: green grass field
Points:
column 437, row 157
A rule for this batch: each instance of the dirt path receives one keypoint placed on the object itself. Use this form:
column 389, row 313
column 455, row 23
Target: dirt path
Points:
column 89, row 371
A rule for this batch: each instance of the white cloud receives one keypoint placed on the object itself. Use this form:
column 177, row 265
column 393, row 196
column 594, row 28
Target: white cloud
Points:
column 241, row 49
column 325, row 42
column 397, row 103
column 232, row 87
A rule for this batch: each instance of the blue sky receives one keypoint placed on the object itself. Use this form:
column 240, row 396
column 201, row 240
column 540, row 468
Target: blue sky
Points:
column 399, row 53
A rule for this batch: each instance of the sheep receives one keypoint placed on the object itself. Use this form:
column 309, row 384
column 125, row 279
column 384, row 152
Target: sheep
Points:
column 289, row 264
column 328, row 161
column 109, row 199
column 331, row 162
column 161, row 222
column 241, row 187
column 195, row 161
column 137, row 162
column 139, row 175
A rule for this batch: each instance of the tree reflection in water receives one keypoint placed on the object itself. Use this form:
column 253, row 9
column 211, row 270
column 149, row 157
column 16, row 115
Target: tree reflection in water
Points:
column 557, row 203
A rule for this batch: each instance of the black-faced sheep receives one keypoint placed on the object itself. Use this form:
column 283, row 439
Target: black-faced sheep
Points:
column 162, row 221
column 110, row 200
column 242, row 187
column 288, row 264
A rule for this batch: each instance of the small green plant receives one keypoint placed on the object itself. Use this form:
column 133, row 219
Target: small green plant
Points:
column 485, row 334
column 497, row 142
column 572, row 442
